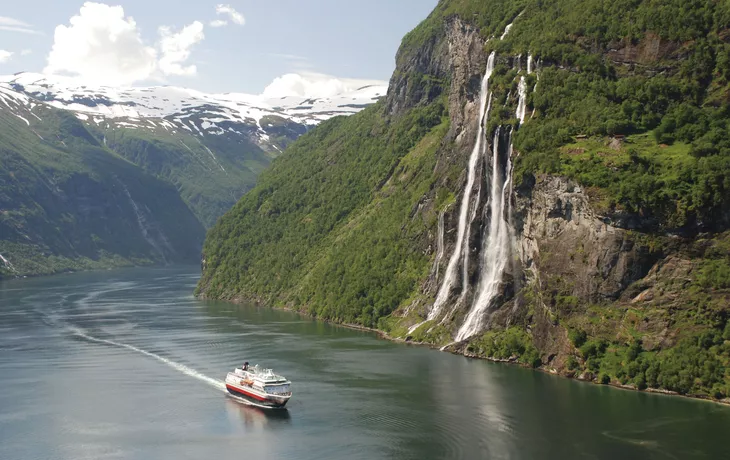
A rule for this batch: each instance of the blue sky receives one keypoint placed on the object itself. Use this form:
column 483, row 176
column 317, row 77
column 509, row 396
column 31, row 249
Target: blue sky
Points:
column 261, row 40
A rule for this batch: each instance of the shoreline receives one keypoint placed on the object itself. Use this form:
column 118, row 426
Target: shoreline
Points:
column 66, row 272
column 384, row 335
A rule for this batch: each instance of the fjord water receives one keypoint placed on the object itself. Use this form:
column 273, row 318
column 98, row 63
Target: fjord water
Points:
column 128, row 365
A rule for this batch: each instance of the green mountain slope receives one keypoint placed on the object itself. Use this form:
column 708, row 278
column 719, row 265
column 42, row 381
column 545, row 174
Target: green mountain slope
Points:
column 619, row 266
column 287, row 234
column 211, row 173
column 67, row 202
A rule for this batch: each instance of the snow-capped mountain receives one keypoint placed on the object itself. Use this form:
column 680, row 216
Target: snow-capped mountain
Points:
column 102, row 176
column 173, row 109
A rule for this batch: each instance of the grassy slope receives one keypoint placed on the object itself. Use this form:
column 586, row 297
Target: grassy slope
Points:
column 211, row 174
column 267, row 244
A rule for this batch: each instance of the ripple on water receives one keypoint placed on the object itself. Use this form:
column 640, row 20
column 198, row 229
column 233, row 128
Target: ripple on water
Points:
column 354, row 396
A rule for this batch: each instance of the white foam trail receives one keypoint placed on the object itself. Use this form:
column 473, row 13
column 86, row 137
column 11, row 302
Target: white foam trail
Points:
column 177, row 366
column 451, row 270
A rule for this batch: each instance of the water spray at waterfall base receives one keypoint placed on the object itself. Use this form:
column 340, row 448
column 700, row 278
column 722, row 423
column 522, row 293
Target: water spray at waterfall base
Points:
column 497, row 247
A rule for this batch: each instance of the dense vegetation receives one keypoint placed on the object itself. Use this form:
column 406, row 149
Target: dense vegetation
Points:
column 68, row 203
column 306, row 224
column 211, row 173
column 631, row 100
column 611, row 68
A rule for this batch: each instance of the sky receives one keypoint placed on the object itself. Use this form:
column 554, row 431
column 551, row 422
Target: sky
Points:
column 274, row 47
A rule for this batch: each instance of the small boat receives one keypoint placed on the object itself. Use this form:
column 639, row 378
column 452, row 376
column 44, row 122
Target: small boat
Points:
column 261, row 387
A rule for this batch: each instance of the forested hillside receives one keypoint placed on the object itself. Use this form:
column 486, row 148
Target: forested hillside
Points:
column 606, row 123
column 68, row 203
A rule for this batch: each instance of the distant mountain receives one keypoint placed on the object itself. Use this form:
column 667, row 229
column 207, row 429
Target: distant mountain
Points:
column 93, row 177
column 210, row 146
column 67, row 202
column 172, row 109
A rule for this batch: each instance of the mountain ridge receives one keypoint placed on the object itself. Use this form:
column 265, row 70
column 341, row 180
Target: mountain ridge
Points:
column 173, row 105
column 62, row 137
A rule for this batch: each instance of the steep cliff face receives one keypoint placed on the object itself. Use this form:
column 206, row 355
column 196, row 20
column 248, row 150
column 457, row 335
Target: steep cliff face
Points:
column 561, row 235
column 571, row 257
column 525, row 192
column 617, row 285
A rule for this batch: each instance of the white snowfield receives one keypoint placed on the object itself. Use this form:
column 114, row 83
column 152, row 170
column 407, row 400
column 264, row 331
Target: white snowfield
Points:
column 172, row 105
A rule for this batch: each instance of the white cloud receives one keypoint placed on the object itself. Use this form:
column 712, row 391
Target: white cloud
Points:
column 26, row 52
column 176, row 48
column 234, row 15
column 16, row 25
column 102, row 46
column 5, row 56
column 218, row 23
column 314, row 85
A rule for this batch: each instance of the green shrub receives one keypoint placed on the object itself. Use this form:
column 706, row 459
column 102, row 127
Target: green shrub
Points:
column 572, row 363
column 714, row 274
column 634, row 349
column 577, row 337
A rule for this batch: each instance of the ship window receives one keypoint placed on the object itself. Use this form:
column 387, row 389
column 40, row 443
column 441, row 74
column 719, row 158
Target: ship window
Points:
column 277, row 389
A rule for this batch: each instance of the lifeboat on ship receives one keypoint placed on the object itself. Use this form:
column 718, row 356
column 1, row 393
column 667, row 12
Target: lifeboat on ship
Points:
column 258, row 386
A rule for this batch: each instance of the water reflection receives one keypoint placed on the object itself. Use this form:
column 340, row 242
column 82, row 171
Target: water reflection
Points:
column 355, row 396
column 255, row 418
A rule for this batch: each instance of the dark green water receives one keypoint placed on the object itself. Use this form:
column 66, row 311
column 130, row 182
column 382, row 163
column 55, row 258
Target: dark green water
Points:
column 127, row 365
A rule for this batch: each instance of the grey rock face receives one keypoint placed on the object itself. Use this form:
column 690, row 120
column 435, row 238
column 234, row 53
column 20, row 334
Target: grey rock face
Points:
column 560, row 234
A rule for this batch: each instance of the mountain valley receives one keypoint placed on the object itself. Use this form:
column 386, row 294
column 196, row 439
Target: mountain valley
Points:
column 70, row 153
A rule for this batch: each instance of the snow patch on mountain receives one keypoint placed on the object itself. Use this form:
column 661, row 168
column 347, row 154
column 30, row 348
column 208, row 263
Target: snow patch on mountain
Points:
column 171, row 109
column 177, row 103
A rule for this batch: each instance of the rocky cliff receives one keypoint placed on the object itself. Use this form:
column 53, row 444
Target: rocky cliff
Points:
column 532, row 189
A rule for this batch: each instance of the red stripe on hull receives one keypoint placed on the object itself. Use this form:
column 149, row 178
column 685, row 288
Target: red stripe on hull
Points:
column 246, row 393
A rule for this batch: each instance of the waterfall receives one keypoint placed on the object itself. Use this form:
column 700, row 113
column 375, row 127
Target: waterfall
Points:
column 439, row 246
column 497, row 248
column 522, row 103
column 499, row 235
column 506, row 31
column 475, row 208
column 144, row 227
column 452, row 268
column 7, row 263
column 531, row 67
